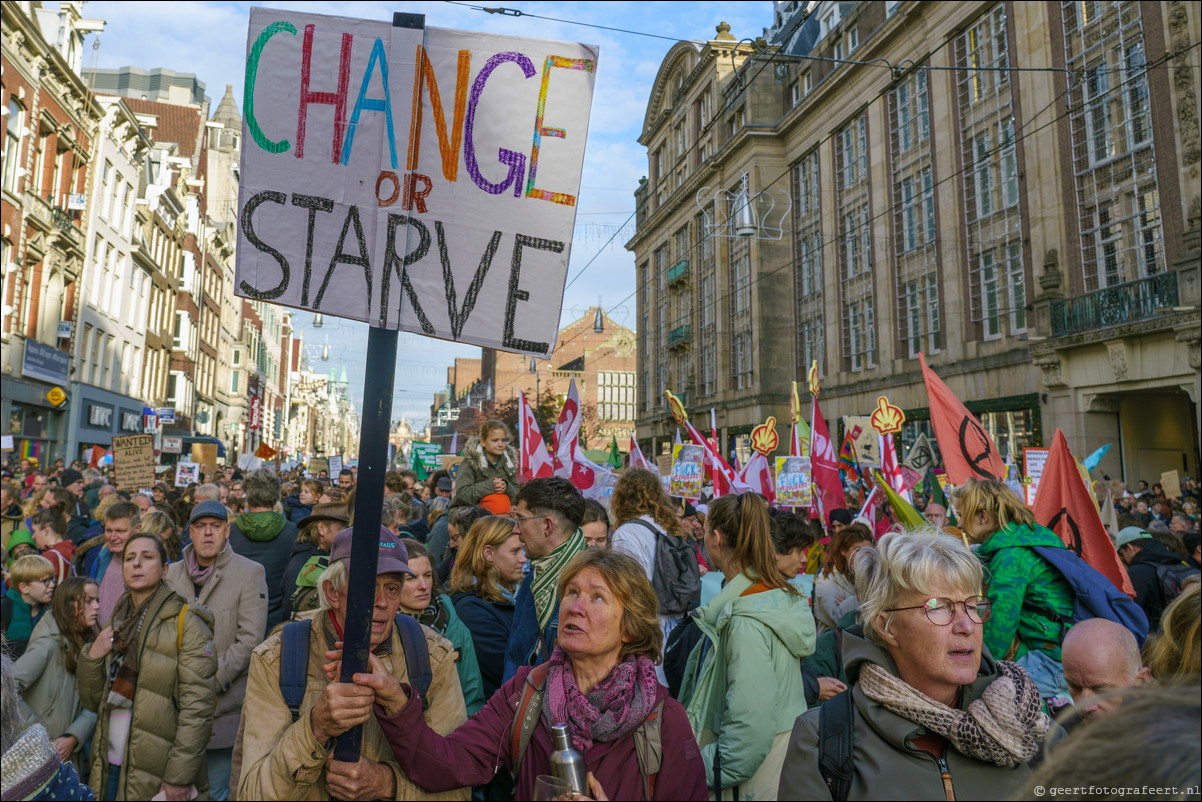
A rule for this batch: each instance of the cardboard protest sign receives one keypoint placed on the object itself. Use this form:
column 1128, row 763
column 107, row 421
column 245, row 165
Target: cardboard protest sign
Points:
column 317, row 465
column 686, row 478
column 422, row 180
column 186, row 473
column 664, row 464
column 133, row 461
column 864, row 440
column 793, row 482
column 1170, row 483
column 1033, row 462
column 451, row 463
column 205, row 455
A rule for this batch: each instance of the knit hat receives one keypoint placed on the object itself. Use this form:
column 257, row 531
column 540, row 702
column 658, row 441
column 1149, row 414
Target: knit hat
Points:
column 69, row 477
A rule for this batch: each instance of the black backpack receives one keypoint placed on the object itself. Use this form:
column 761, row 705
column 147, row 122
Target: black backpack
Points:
column 836, row 744
column 1172, row 578
column 677, row 575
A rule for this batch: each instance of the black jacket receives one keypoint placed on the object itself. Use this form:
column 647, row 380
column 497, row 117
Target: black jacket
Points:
column 1143, row 573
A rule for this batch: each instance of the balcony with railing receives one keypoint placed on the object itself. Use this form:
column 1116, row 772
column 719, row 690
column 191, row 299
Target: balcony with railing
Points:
column 679, row 336
column 1113, row 306
column 678, row 272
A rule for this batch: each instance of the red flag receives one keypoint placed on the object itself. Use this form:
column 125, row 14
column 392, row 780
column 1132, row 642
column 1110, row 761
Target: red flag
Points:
column 828, row 489
column 757, row 475
column 968, row 450
column 1063, row 504
column 96, row 456
column 265, row 451
column 637, row 460
column 891, row 467
column 533, row 460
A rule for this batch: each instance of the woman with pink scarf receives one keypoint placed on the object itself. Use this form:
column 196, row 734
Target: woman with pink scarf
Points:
column 600, row 681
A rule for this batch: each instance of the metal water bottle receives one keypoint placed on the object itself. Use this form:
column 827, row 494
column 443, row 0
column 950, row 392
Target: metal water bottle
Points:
column 566, row 763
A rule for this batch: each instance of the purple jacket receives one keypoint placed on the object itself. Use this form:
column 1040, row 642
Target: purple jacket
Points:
column 471, row 754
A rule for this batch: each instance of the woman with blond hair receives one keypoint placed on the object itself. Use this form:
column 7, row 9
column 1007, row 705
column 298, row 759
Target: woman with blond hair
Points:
column 1032, row 601
column 644, row 513
column 1175, row 655
column 488, row 569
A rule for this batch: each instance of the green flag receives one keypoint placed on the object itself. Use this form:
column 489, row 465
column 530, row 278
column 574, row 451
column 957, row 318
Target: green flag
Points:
column 615, row 457
column 937, row 496
column 904, row 510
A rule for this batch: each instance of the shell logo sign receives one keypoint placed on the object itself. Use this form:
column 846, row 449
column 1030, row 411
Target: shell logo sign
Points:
column 887, row 418
column 764, row 438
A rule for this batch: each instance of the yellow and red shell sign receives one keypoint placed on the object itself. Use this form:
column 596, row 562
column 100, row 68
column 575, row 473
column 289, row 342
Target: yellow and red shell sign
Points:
column 887, row 418
column 764, row 438
column 813, row 376
column 677, row 408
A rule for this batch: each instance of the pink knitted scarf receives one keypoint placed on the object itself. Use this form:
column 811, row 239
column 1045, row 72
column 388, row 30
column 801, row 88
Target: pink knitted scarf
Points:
column 615, row 706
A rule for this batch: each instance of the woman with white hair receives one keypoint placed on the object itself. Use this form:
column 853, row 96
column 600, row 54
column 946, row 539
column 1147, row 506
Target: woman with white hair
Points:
column 931, row 714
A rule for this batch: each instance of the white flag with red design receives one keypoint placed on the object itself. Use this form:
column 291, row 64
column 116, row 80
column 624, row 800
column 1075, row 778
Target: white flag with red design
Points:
column 570, row 462
column 757, row 475
column 891, row 466
column 725, row 479
column 637, row 460
column 533, row 460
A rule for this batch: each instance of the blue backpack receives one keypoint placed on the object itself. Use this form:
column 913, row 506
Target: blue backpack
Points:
column 1094, row 596
column 294, row 660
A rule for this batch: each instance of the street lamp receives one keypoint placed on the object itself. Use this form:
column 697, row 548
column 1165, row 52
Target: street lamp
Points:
column 537, row 386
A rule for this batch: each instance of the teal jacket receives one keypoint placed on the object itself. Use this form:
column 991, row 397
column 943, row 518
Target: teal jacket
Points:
column 442, row 618
column 1027, row 592
column 742, row 682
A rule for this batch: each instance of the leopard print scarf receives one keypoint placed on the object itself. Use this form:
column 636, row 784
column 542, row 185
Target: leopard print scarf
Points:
column 1005, row 726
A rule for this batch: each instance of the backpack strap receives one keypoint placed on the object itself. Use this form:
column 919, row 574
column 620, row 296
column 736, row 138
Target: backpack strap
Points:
column 525, row 719
column 179, row 627
column 836, row 744
column 417, row 656
column 294, row 664
column 649, row 749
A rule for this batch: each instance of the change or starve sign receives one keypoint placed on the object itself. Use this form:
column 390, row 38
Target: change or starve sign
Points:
column 416, row 180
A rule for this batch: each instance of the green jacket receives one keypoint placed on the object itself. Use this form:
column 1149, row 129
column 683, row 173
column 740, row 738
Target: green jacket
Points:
column 742, row 682
column 174, row 701
column 1026, row 591
column 827, row 659
column 474, row 479
column 442, row 618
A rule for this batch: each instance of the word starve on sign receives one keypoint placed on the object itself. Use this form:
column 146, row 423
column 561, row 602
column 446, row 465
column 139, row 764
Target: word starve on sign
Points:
column 330, row 221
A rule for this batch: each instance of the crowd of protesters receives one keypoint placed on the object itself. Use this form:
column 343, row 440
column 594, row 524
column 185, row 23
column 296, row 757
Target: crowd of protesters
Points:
column 185, row 642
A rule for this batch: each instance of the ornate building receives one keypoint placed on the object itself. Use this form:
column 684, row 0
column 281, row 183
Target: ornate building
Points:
column 989, row 184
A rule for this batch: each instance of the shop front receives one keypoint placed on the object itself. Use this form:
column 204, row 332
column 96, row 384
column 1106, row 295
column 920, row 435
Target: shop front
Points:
column 36, row 405
column 97, row 416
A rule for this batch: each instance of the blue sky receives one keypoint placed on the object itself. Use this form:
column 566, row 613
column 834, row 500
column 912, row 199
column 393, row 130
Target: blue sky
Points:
column 209, row 39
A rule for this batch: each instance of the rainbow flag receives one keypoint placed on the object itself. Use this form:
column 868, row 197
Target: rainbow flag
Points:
column 848, row 466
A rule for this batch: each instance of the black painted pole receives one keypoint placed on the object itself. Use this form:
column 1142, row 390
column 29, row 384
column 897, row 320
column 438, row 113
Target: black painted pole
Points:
column 369, row 496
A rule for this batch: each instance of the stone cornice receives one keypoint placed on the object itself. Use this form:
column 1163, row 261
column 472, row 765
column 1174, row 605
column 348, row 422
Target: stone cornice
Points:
column 1165, row 324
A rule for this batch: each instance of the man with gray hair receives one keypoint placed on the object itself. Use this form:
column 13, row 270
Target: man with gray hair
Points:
column 1101, row 657
column 264, row 535
column 207, row 492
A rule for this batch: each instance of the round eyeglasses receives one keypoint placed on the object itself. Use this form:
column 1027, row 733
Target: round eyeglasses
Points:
column 941, row 612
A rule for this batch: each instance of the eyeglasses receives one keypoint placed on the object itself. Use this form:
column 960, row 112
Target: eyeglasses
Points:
column 941, row 612
column 47, row 581
column 518, row 520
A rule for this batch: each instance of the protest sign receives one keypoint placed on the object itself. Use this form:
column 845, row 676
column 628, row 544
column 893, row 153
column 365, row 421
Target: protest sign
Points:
column 793, row 482
column 335, row 467
column 172, row 445
column 921, row 455
column 186, row 473
column 451, row 463
column 421, row 180
column 686, row 477
column 133, row 461
column 864, row 440
column 1170, row 483
column 664, row 464
column 317, row 465
column 205, row 455
column 1033, row 461
column 425, row 458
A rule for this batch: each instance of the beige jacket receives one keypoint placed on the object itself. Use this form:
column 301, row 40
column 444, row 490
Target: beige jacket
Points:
column 236, row 594
column 282, row 760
